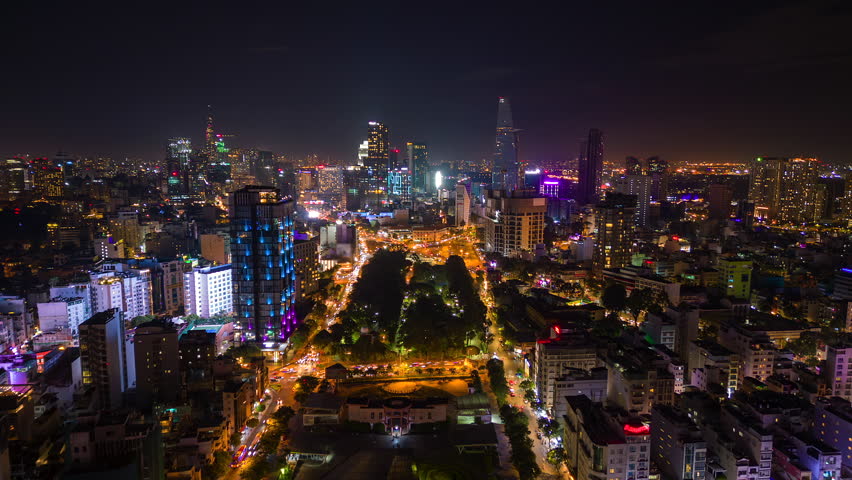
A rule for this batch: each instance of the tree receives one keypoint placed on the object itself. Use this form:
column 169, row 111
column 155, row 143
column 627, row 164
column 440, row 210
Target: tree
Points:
column 252, row 422
column 323, row 340
column 639, row 301
column 614, row 297
column 235, row 439
column 246, row 350
column 526, row 384
column 142, row 319
column 497, row 377
column 609, row 327
column 556, row 456
column 218, row 467
column 283, row 415
column 307, row 383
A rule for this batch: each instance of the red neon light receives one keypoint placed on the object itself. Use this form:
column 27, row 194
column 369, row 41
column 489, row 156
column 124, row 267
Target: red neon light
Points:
column 557, row 329
column 637, row 430
column 675, row 238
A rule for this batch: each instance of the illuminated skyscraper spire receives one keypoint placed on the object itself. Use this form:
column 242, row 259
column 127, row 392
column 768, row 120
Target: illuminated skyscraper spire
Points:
column 209, row 136
column 505, row 173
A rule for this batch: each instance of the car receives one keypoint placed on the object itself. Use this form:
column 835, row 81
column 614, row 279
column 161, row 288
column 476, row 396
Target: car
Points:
column 239, row 456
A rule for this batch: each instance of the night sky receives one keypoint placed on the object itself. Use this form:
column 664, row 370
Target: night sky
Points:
column 723, row 83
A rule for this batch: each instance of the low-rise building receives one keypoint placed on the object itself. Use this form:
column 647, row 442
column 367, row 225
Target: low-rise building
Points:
column 397, row 414
column 604, row 443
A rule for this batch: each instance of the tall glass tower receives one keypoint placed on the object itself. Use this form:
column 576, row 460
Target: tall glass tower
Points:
column 418, row 165
column 264, row 278
column 506, row 167
column 590, row 168
column 377, row 163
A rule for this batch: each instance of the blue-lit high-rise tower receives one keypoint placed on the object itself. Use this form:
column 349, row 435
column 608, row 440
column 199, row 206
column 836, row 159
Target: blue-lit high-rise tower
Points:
column 506, row 167
column 262, row 257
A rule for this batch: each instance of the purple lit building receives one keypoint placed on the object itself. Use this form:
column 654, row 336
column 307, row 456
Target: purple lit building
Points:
column 262, row 258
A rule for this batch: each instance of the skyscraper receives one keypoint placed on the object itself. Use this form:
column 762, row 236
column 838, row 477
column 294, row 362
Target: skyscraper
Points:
column 506, row 167
column 418, row 165
column 784, row 189
column 640, row 187
column 177, row 165
column 102, row 357
column 157, row 365
column 719, row 201
column 590, row 168
column 633, row 166
column 262, row 257
column 515, row 224
column 377, row 163
column 377, row 146
column 399, row 185
column 209, row 134
column 658, row 170
column 614, row 218
column 48, row 181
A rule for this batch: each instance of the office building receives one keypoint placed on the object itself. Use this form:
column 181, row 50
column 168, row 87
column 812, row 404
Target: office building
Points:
column 590, row 168
column 14, row 176
column 604, row 443
column 735, row 277
column 640, row 187
column 178, row 166
column 329, row 180
column 377, row 164
column 614, row 221
column 47, row 179
column 208, row 291
column 399, row 185
column 363, row 152
column 102, row 356
column 719, row 198
column 418, row 165
column 264, row 277
column 155, row 349
column 463, row 205
column 506, row 167
column 306, row 264
column 515, row 223
column 377, row 146
column 677, row 444
column 658, row 170
column 633, row 166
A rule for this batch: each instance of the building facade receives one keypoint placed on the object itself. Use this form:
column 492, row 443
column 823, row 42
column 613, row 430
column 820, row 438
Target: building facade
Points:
column 208, row 291
column 515, row 223
column 264, row 277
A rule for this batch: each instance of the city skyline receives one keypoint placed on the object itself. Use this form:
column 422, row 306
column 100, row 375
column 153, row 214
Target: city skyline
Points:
column 649, row 95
